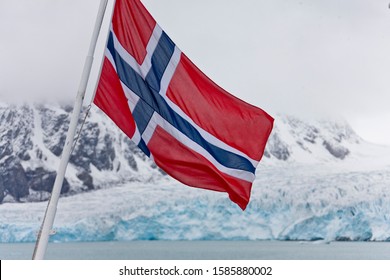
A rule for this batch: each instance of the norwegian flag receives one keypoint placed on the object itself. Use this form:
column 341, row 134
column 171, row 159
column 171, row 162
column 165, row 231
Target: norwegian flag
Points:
column 194, row 130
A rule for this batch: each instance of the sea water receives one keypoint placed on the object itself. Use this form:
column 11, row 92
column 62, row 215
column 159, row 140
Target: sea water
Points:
column 203, row 250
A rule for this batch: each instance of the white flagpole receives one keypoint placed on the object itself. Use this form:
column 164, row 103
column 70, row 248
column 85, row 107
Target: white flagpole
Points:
column 47, row 224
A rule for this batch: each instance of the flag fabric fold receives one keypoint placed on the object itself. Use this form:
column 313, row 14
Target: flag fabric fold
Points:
column 193, row 129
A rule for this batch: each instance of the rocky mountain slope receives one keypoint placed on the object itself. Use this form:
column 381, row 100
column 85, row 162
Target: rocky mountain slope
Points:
column 31, row 141
column 298, row 140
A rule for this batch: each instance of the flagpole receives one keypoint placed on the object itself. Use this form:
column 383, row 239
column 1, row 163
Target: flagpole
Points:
column 47, row 224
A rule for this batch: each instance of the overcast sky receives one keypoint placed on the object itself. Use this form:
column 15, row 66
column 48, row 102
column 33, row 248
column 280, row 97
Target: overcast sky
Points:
column 302, row 57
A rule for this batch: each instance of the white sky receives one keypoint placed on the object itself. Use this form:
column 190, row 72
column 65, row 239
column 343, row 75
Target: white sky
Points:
column 302, row 57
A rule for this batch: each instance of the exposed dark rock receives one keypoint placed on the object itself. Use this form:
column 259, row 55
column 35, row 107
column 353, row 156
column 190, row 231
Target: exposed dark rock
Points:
column 105, row 154
column 68, row 108
column 87, row 179
column 130, row 150
column 13, row 178
column 310, row 139
column 278, row 148
column 55, row 127
column 2, row 190
column 85, row 149
column 5, row 149
column 337, row 151
column 43, row 180
column 24, row 156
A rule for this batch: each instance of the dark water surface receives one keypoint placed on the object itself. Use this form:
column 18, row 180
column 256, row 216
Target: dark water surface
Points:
column 203, row 250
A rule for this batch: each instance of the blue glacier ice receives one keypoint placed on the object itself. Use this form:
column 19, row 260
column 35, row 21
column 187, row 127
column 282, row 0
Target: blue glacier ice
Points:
column 295, row 203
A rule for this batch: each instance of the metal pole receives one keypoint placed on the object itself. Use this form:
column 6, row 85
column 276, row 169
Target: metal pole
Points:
column 47, row 224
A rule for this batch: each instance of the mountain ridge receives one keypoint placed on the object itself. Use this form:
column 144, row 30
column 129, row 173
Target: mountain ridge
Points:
column 32, row 137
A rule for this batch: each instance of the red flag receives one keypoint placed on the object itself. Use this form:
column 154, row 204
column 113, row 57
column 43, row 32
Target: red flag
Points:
column 194, row 130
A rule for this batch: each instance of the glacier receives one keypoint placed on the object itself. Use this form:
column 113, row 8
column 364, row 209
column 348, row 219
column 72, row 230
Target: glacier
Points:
column 318, row 180
column 299, row 203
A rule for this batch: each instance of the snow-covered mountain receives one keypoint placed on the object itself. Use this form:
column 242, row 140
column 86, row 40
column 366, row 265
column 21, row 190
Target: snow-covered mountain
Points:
column 317, row 180
column 31, row 142
column 310, row 141
column 32, row 137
